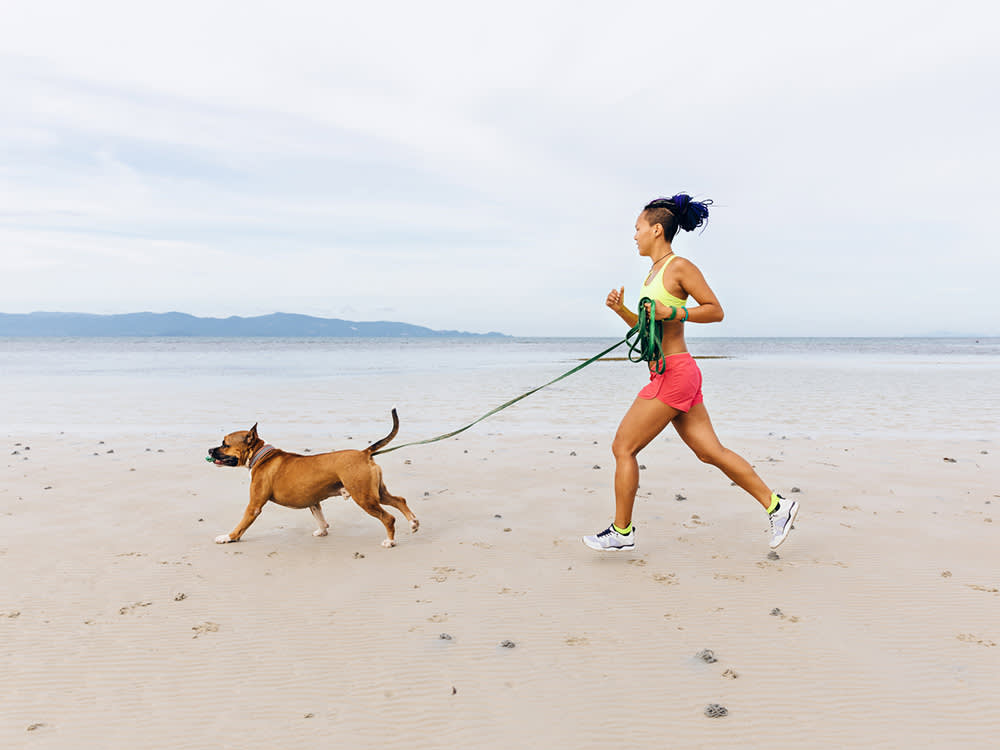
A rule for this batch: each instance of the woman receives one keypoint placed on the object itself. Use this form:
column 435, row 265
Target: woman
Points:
column 674, row 397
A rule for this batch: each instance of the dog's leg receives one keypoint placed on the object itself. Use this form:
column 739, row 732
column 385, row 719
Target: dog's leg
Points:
column 399, row 503
column 249, row 516
column 363, row 482
column 320, row 521
column 368, row 502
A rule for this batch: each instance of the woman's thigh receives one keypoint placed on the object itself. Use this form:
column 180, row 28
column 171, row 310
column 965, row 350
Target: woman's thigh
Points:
column 696, row 430
column 644, row 420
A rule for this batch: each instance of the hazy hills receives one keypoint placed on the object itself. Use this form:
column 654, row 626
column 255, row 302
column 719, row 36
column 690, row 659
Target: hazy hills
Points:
column 176, row 324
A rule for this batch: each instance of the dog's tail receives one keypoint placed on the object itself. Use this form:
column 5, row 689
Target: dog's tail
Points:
column 377, row 445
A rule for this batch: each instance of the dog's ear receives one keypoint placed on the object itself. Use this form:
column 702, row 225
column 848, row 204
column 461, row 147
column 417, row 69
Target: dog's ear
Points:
column 251, row 434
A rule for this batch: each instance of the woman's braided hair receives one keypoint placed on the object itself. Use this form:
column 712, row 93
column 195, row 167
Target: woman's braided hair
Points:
column 678, row 211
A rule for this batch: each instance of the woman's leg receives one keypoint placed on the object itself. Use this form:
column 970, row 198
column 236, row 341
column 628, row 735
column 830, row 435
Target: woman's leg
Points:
column 644, row 420
column 695, row 429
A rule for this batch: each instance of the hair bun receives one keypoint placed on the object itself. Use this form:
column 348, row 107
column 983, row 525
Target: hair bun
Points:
column 690, row 214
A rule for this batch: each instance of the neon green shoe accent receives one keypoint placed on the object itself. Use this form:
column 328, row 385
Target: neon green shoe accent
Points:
column 774, row 503
column 623, row 532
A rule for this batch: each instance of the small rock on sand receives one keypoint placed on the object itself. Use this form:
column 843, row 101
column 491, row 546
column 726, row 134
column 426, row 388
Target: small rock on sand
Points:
column 507, row 644
column 707, row 655
column 714, row 710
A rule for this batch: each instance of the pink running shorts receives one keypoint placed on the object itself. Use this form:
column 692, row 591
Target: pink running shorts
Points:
column 680, row 384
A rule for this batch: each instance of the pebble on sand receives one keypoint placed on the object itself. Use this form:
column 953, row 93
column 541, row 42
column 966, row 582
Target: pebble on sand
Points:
column 714, row 710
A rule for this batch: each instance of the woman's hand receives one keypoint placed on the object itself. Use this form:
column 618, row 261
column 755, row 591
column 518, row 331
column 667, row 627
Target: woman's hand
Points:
column 616, row 299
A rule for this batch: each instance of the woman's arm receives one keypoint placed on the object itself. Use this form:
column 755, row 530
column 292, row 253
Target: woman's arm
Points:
column 615, row 301
column 709, row 310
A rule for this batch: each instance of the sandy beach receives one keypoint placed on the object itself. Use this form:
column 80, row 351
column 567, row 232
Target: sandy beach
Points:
column 123, row 625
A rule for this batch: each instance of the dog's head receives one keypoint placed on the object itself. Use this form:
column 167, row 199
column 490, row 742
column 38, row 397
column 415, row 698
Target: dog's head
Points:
column 236, row 448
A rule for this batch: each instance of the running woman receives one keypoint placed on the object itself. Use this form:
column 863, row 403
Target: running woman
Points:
column 674, row 396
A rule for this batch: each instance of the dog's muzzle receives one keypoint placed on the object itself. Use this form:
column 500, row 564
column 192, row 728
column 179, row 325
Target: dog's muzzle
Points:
column 222, row 459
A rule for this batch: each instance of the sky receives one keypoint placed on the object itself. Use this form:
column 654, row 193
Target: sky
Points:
column 480, row 166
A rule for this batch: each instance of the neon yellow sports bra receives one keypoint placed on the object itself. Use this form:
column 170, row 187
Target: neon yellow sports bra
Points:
column 656, row 292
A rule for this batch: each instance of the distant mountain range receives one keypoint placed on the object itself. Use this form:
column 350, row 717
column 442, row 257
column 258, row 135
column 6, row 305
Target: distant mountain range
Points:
column 175, row 324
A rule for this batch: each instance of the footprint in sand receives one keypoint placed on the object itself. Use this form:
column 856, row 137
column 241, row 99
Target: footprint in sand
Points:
column 670, row 579
column 205, row 627
column 970, row 638
column 129, row 608
column 577, row 640
column 778, row 613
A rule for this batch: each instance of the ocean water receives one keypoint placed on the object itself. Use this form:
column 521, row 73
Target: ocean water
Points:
column 899, row 388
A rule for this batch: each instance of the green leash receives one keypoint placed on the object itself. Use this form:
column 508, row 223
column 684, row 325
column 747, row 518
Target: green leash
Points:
column 646, row 348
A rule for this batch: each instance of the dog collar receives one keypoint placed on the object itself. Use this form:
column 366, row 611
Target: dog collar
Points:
column 256, row 458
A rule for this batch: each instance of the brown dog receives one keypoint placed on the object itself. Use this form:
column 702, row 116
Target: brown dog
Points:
column 305, row 481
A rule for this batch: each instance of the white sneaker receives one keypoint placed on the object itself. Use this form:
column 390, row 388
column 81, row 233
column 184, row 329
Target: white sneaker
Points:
column 610, row 540
column 781, row 520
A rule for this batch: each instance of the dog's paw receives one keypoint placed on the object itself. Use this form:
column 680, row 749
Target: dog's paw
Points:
column 414, row 525
column 388, row 543
column 320, row 532
column 222, row 539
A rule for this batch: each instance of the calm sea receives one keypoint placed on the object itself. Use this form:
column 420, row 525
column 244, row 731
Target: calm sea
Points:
column 907, row 387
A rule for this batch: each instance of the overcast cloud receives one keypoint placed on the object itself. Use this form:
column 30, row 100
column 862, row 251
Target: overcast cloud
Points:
column 480, row 165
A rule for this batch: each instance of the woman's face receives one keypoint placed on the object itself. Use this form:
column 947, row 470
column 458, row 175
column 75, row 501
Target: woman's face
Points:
column 645, row 235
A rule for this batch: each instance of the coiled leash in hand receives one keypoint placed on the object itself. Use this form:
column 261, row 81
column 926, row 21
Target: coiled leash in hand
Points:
column 646, row 348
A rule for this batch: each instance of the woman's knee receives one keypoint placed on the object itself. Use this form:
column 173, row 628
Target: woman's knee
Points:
column 624, row 447
column 710, row 454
